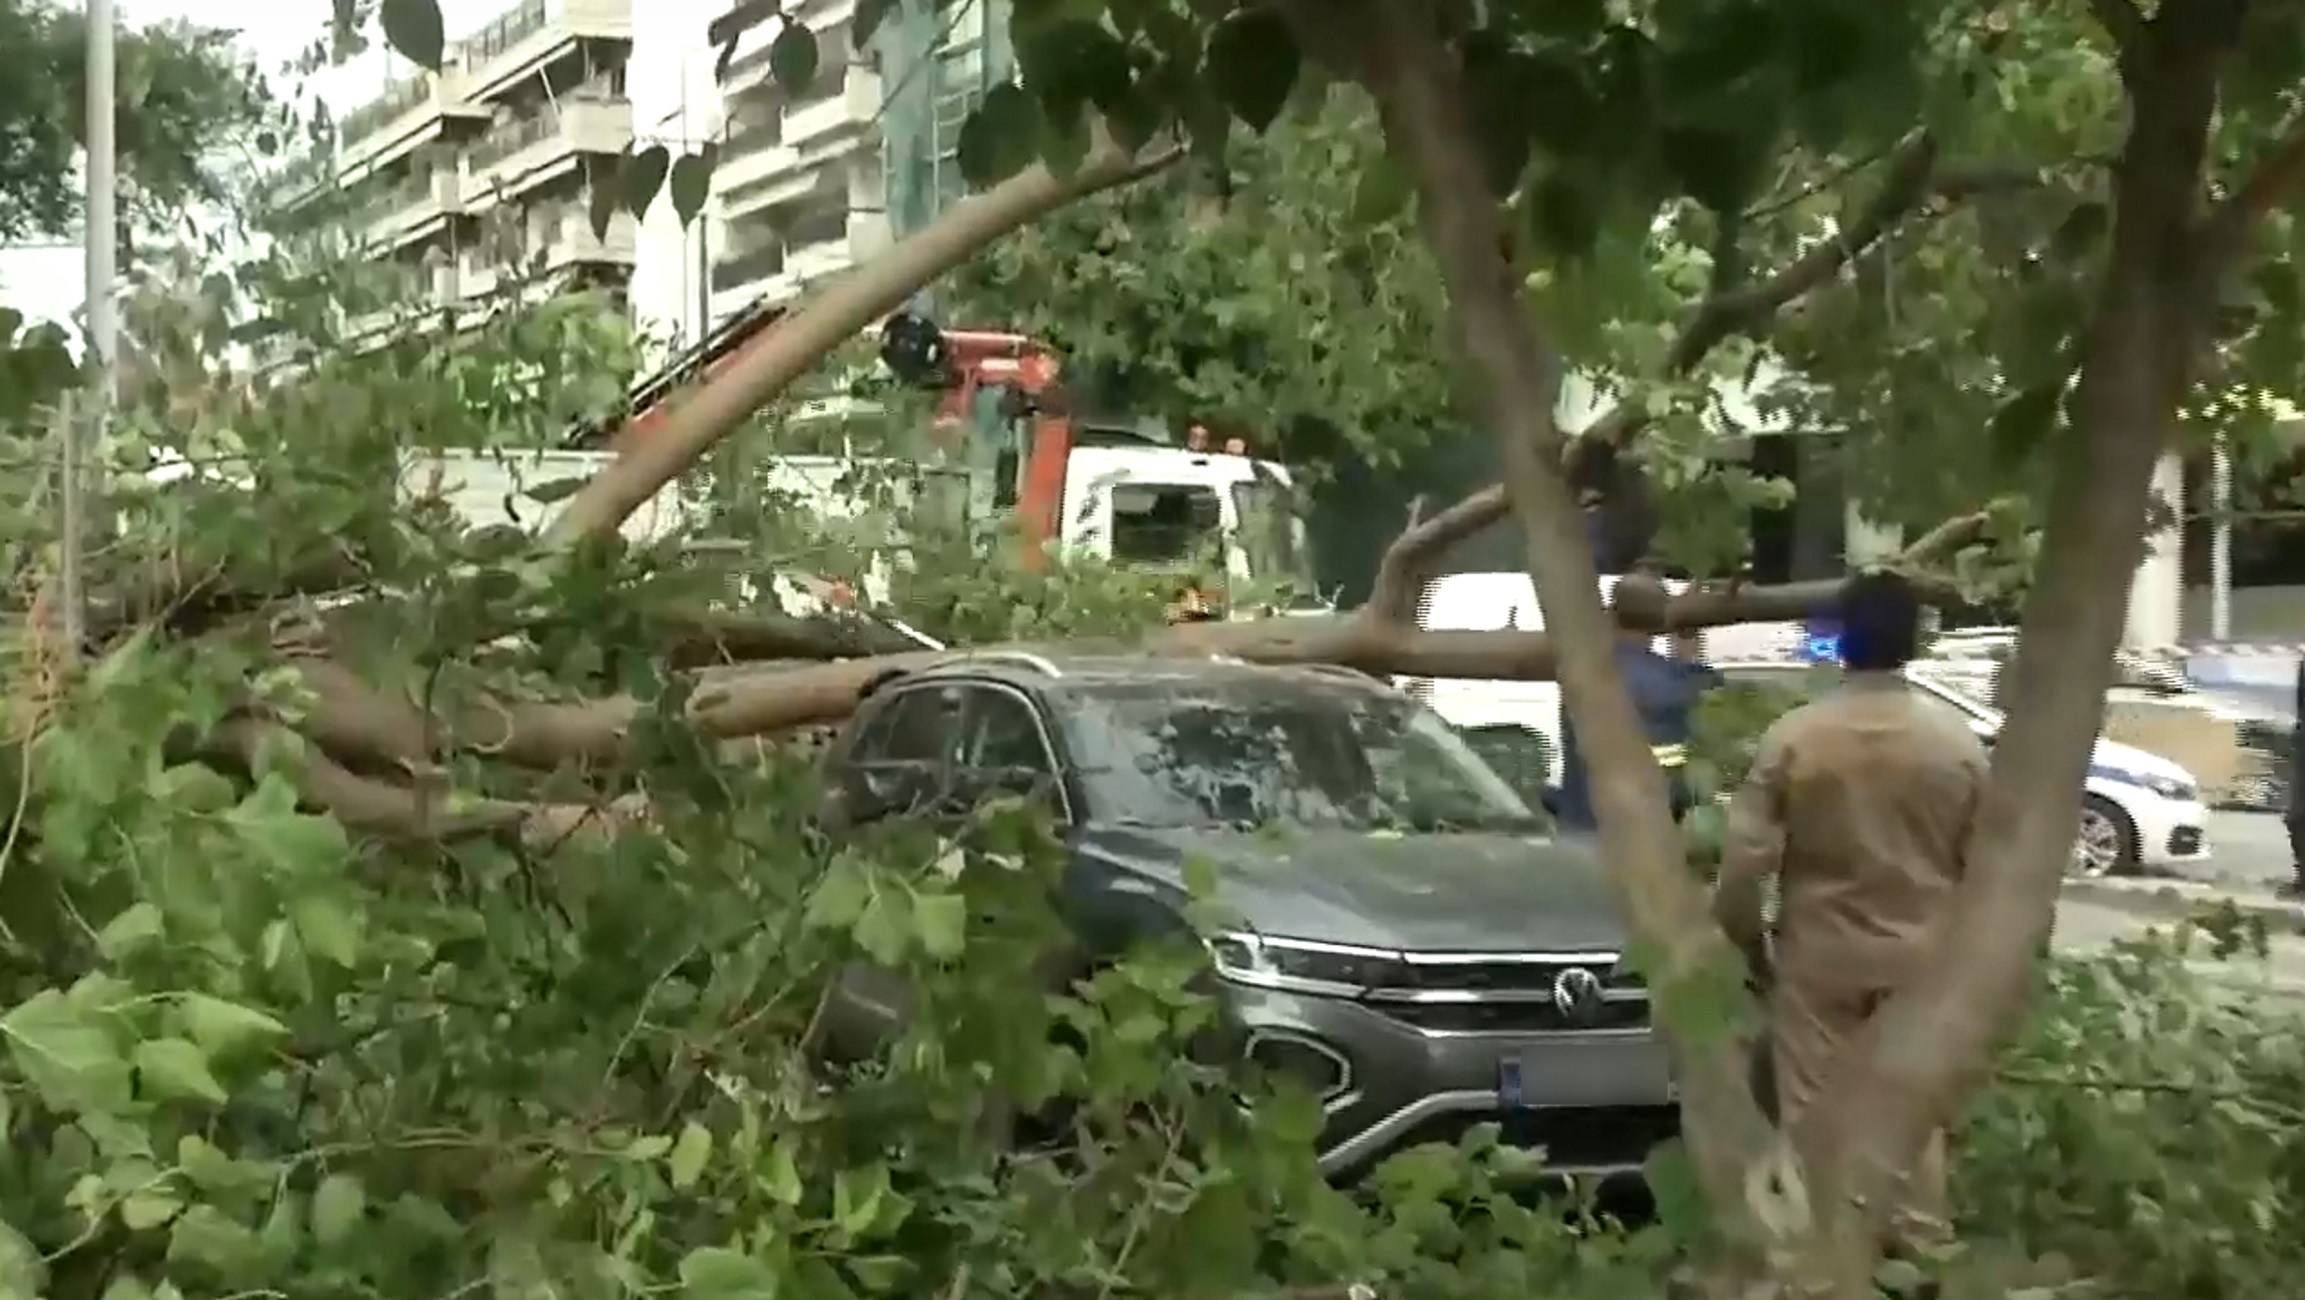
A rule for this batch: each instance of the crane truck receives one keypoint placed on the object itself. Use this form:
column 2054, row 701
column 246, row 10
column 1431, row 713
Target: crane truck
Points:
column 1011, row 448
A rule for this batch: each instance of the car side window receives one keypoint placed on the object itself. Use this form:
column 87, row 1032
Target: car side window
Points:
column 919, row 726
column 1002, row 747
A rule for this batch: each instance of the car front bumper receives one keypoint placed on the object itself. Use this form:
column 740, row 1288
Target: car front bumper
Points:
column 2170, row 832
column 1595, row 1101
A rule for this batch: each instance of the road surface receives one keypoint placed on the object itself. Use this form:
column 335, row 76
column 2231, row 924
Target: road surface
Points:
column 2249, row 855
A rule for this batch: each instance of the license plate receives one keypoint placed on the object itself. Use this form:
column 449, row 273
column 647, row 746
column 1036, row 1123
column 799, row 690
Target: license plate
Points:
column 1510, row 1094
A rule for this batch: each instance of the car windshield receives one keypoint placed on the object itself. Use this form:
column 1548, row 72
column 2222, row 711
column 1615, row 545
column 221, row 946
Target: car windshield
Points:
column 1265, row 751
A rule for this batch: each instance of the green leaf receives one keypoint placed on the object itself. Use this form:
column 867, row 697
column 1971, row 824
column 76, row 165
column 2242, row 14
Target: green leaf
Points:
column 1253, row 64
column 716, row 1273
column 412, row 28
column 856, row 1198
column 692, row 182
column 793, row 58
column 206, row 1237
column 339, row 1207
column 23, row 1274
column 642, row 176
column 68, row 1056
column 327, row 928
column 222, row 1028
column 176, row 1069
column 285, row 840
column 150, row 1206
column 840, row 896
column 999, row 139
column 941, row 922
column 884, row 931
column 689, row 1154
column 134, row 930
column 780, row 1176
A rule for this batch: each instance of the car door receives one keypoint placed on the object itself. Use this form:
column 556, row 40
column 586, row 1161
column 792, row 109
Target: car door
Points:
column 1005, row 749
column 902, row 759
column 900, row 762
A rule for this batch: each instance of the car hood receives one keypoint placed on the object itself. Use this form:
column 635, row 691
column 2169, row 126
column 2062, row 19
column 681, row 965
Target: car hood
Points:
column 2114, row 755
column 2138, row 762
column 1408, row 893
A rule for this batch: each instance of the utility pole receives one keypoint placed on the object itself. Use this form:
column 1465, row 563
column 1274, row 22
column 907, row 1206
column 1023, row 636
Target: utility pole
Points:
column 100, row 239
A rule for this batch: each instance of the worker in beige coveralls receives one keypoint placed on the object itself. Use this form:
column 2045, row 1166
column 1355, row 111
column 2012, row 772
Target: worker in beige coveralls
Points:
column 1859, row 803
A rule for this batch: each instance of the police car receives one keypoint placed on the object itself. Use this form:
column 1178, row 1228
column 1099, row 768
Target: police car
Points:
column 2139, row 811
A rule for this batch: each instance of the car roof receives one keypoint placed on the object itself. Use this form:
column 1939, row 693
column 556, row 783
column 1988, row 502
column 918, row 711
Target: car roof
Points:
column 1057, row 672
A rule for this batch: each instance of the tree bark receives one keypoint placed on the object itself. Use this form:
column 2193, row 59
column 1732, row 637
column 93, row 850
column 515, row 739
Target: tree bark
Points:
column 1932, row 1044
column 1515, row 381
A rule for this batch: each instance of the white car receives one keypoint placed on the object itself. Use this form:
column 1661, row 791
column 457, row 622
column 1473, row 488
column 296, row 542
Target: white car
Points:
column 2138, row 810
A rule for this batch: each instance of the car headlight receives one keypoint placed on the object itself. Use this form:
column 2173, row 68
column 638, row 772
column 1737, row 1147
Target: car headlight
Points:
column 1304, row 965
column 2168, row 787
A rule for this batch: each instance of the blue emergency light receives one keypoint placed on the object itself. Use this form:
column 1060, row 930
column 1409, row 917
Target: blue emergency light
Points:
column 1821, row 643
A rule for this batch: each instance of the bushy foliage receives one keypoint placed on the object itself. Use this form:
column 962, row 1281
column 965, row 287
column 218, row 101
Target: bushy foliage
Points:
column 246, row 1050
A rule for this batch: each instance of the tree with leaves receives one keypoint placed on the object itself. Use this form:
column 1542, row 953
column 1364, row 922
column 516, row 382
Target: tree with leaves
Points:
column 191, row 106
column 540, row 789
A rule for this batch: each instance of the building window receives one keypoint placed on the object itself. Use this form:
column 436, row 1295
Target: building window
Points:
column 818, row 226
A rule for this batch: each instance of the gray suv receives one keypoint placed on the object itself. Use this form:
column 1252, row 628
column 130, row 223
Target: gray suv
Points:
column 1410, row 942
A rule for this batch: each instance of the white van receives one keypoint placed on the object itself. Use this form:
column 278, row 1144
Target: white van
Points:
column 1488, row 602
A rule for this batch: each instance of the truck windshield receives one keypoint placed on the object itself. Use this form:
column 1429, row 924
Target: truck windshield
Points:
column 1164, row 523
column 1264, row 752
column 1268, row 537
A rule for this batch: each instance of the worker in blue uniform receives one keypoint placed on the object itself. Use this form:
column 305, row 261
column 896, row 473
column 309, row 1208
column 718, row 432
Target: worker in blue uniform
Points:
column 1665, row 691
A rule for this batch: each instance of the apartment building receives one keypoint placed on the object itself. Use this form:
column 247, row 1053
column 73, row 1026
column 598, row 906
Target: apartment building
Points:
column 475, row 179
column 798, row 190
column 810, row 183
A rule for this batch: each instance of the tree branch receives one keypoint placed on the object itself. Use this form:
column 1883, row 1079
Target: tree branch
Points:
column 2268, row 185
column 371, row 806
column 1914, row 180
column 853, row 302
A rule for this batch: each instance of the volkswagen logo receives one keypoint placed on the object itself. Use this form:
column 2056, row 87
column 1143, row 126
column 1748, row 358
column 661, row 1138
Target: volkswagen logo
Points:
column 1577, row 996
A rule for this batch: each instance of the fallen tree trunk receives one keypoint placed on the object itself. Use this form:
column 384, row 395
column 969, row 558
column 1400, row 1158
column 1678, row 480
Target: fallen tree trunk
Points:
column 355, row 722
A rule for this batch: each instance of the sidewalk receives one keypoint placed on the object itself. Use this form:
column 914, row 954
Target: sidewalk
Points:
column 2096, row 913
column 2174, row 899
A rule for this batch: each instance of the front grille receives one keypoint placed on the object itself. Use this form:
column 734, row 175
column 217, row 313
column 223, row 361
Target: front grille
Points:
column 1493, row 996
column 1535, row 977
column 1583, row 1136
column 1511, row 1017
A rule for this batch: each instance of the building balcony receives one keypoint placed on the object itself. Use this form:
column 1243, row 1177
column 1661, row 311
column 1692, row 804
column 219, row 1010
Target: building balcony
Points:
column 409, row 114
column 533, row 33
column 516, row 156
column 781, row 175
column 839, row 115
column 748, row 268
column 414, row 210
column 567, row 242
column 775, row 273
